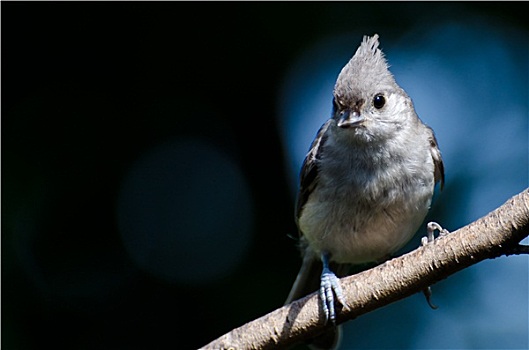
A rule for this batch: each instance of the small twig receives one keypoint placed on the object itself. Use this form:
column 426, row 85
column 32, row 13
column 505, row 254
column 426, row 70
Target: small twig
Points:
column 517, row 250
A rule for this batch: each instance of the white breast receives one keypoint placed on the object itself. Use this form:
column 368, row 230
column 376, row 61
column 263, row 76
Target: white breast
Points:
column 365, row 208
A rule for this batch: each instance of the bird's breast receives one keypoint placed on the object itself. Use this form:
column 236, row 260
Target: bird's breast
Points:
column 362, row 212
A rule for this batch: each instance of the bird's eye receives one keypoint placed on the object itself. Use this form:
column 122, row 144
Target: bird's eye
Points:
column 379, row 101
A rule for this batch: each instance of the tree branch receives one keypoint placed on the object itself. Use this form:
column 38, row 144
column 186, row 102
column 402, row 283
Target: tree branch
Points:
column 498, row 233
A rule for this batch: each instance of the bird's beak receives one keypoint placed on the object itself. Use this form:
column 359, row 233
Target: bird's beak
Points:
column 350, row 119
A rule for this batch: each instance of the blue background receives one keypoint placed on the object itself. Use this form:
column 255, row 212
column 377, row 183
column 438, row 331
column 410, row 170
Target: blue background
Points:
column 150, row 154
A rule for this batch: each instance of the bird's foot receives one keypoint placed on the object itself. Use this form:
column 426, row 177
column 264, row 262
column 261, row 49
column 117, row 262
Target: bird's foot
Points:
column 329, row 288
column 430, row 229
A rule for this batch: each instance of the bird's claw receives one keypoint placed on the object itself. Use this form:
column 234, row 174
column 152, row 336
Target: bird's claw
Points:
column 430, row 237
column 329, row 288
column 431, row 227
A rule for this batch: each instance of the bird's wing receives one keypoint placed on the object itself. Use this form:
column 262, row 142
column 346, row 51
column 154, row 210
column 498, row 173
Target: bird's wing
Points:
column 309, row 170
column 439, row 170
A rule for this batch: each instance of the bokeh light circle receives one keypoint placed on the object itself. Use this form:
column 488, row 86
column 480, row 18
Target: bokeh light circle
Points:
column 185, row 212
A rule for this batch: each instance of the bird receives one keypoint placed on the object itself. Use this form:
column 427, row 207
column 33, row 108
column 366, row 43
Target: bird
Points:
column 366, row 183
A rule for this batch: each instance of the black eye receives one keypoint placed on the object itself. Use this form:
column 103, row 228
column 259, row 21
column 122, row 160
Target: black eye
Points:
column 379, row 101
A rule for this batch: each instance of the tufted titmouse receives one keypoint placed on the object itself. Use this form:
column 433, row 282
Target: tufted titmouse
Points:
column 367, row 181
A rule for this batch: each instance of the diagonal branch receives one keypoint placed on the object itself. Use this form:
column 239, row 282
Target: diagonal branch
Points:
column 498, row 233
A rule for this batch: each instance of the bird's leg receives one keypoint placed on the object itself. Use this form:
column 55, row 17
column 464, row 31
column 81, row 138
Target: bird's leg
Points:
column 430, row 237
column 330, row 287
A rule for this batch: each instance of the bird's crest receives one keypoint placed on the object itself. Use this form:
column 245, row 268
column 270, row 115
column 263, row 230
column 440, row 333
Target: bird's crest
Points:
column 368, row 65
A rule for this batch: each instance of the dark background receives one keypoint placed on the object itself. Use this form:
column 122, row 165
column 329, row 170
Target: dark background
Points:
column 82, row 86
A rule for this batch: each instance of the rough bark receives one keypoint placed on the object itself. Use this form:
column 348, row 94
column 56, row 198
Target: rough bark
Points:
column 498, row 233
